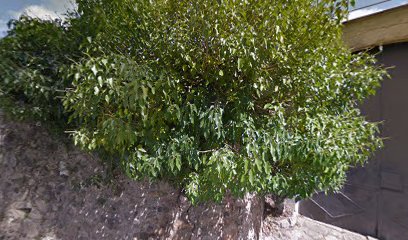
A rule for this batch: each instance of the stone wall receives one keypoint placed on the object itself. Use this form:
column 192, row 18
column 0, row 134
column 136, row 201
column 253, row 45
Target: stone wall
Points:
column 51, row 190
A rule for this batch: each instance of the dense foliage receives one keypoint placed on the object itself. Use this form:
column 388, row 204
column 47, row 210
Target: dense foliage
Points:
column 217, row 96
column 31, row 59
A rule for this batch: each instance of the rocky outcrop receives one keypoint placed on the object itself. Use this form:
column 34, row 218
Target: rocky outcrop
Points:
column 51, row 190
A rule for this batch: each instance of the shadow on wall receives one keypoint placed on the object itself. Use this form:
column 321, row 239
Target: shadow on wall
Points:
column 50, row 190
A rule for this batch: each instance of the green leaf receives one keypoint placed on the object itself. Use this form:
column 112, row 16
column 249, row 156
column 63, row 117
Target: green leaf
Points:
column 240, row 63
column 178, row 162
column 94, row 70
column 259, row 163
column 100, row 81
column 251, row 176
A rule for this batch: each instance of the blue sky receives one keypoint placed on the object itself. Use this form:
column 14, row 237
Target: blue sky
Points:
column 53, row 8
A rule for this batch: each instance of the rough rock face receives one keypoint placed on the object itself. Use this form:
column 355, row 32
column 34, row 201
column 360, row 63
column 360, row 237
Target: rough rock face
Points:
column 51, row 190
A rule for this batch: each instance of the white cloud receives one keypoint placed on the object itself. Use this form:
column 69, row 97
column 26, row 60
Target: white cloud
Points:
column 36, row 11
column 47, row 9
column 58, row 5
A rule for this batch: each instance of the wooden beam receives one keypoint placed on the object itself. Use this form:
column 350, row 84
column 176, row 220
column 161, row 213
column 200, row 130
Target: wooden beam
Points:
column 387, row 27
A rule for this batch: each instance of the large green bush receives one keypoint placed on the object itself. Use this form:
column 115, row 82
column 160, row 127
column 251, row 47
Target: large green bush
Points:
column 220, row 95
column 31, row 58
